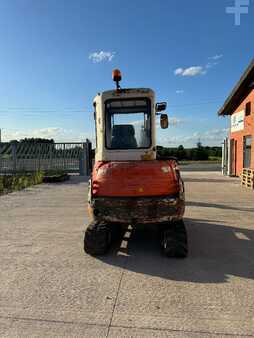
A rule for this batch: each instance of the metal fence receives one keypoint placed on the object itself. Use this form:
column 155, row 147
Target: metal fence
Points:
column 28, row 157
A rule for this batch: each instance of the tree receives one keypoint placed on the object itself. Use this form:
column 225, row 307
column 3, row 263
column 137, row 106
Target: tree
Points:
column 36, row 140
column 199, row 144
column 181, row 153
column 201, row 153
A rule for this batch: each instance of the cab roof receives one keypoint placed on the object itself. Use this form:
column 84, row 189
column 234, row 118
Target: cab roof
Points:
column 128, row 91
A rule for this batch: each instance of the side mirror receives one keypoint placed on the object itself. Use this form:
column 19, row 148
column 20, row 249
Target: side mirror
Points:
column 164, row 121
column 160, row 106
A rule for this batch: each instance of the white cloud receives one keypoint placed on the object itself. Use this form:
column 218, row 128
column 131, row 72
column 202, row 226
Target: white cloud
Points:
column 50, row 132
column 213, row 137
column 172, row 122
column 215, row 134
column 179, row 71
column 175, row 121
column 56, row 133
column 101, row 56
column 199, row 70
column 191, row 71
column 179, row 91
column 211, row 64
column 216, row 57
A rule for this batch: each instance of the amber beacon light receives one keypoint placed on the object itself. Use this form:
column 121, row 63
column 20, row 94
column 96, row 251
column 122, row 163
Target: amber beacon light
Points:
column 117, row 77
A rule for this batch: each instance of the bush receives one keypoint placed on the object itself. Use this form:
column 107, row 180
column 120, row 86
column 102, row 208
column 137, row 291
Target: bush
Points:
column 10, row 183
column 1, row 184
column 54, row 176
column 198, row 153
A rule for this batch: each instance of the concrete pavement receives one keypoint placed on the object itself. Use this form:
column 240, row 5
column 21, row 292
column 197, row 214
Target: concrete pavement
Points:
column 50, row 288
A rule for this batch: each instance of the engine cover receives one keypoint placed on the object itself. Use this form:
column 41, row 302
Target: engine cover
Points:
column 135, row 178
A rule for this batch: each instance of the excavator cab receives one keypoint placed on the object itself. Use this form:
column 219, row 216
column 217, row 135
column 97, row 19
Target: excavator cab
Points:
column 129, row 185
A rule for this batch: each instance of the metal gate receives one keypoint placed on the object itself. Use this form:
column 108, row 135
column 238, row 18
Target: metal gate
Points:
column 27, row 157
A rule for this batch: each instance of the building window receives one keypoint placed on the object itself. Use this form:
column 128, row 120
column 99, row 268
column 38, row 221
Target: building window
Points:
column 248, row 109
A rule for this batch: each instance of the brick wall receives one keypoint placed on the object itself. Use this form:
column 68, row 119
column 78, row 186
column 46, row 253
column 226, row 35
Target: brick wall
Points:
column 248, row 130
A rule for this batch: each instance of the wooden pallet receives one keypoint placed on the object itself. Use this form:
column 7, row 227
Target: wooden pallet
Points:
column 247, row 178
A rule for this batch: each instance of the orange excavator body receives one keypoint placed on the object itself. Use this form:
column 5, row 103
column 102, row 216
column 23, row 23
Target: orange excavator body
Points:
column 131, row 184
column 136, row 192
column 134, row 179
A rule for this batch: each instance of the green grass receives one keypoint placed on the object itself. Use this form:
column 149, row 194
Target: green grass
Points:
column 210, row 161
column 9, row 183
column 215, row 158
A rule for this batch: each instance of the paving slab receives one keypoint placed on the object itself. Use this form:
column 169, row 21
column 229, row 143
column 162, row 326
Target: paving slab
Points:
column 49, row 287
column 212, row 290
column 45, row 275
column 120, row 332
column 35, row 328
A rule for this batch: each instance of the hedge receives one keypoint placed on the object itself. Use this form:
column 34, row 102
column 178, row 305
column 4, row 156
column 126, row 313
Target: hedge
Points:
column 9, row 183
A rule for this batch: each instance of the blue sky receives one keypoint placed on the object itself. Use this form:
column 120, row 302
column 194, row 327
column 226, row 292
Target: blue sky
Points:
column 55, row 55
